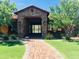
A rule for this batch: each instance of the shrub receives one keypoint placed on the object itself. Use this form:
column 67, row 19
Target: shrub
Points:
column 5, row 37
column 68, row 38
column 13, row 37
column 0, row 35
column 49, row 36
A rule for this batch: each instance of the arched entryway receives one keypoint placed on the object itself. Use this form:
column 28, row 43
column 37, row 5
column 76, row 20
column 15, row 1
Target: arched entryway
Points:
column 33, row 27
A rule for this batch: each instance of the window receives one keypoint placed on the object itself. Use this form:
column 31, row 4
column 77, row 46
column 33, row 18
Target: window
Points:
column 36, row 28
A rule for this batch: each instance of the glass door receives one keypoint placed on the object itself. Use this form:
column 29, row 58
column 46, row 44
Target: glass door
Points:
column 36, row 28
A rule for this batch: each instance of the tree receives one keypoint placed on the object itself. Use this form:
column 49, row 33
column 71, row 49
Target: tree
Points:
column 65, row 16
column 6, row 12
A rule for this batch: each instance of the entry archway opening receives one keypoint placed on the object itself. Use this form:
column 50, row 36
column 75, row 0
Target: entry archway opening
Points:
column 33, row 27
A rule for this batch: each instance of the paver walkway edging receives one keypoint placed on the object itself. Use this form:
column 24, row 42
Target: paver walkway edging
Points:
column 25, row 54
column 38, row 49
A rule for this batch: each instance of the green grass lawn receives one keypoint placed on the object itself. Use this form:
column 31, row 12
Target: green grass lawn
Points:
column 70, row 50
column 15, row 51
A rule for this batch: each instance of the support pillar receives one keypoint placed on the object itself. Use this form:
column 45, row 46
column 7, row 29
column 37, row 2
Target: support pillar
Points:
column 20, row 26
column 44, row 27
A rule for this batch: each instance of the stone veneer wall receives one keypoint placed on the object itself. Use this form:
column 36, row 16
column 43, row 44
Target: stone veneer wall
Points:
column 31, row 12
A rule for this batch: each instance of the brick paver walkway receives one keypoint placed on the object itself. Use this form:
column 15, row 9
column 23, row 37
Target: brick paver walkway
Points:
column 38, row 49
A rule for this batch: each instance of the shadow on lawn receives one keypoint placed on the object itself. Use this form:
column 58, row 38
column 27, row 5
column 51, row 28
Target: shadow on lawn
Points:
column 77, row 42
column 11, row 43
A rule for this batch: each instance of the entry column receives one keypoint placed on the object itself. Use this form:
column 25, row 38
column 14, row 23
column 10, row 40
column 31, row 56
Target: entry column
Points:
column 44, row 26
column 20, row 26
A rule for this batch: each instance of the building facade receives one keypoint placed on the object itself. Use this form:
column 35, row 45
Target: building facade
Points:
column 32, row 22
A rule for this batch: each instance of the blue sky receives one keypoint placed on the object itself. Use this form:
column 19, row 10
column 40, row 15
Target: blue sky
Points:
column 44, row 4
